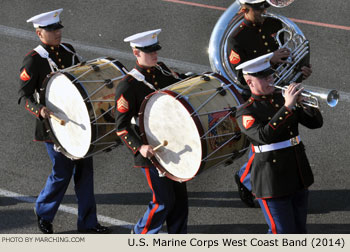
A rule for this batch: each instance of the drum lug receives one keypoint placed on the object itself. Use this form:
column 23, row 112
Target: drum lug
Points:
column 233, row 110
column 109, row 83
column 95, row 67
column 221, row 91
column 205, row 78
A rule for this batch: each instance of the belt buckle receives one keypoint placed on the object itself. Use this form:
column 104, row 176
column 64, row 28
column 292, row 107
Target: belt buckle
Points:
column 294, row 141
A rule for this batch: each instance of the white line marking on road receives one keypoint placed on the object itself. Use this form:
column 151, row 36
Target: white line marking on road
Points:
column 185, row 66
column 24, row 34
column 67, row 209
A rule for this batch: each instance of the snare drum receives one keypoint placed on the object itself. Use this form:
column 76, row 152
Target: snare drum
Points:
column 197, row 118
column 84, row 96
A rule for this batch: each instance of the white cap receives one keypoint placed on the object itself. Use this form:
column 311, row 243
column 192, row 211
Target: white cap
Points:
column 251, row 1
column 257, row 67
column 144, row 40
column 46, row 19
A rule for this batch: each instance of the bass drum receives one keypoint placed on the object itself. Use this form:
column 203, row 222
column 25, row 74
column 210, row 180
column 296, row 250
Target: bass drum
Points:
column 196, row 117
column 84, row 97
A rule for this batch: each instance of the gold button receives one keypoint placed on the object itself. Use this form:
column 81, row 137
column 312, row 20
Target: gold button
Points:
column 254, row 51
column 263, row 96
column 27, row 106
column 272, row 100
column 148, row 71
column 240, row 26
column 62, row 66
column 156, row 83
column 259, row 30
column 52, row 48
column 268, row 50
column 129, row 142
column 291, row 133
column 134, row 148
column 281, row 118
column 274, row 161
column 269, row 118
column 59, row 60
column 125, row 137
column 153, row 76
column 263, row 37
column 266, row 44
column 274, row 124
column 254, row 25
column 277, row 105
column 56, row 53
column 32, row 109
column 286, row 112
column 36, row 111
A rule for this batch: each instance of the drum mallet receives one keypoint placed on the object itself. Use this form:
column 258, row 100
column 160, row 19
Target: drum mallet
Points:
column 62, row 122
column 165, row 143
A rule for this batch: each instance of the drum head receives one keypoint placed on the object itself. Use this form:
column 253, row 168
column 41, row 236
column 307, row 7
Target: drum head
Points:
column 183, row 154
column 65, row 100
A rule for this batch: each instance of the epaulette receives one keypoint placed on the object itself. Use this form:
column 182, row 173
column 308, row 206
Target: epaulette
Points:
column 242, row 25
column 128, row 78
column 248, row 103
column 31, row 53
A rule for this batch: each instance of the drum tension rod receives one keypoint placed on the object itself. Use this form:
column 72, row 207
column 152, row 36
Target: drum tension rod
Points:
column 109, row 83
column 221, row 91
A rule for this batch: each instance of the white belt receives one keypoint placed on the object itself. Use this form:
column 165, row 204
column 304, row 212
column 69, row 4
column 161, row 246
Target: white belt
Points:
column 276, row 146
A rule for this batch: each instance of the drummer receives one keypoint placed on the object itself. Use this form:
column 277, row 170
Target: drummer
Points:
column 169, row 198
column 50, row 56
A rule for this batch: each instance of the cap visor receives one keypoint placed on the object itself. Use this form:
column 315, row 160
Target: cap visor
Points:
column 151, row 48
column 52, row 27
column 263, row 73
column 259, row 6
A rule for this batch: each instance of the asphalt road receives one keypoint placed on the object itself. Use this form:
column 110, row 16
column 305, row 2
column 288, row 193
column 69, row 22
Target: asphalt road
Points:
column 97, row 28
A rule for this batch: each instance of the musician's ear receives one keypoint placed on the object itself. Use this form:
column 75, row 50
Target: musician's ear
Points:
column 249, row 81
column 244, row 10
column 136, row 52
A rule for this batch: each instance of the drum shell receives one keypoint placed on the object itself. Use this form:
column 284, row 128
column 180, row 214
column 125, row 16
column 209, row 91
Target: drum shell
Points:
column 95, row 88
column 194, row 93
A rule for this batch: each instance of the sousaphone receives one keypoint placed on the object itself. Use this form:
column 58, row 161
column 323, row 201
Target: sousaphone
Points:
column 293, row 39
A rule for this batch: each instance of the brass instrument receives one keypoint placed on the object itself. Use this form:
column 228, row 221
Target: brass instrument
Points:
column 230, row 21
column 280, row 3
column 311, row 97
column 298, row 45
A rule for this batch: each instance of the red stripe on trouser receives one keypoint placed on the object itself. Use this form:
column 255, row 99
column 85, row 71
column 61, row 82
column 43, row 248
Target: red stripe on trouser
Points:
column 272, row 222
column 150, row 216
column 249, row 164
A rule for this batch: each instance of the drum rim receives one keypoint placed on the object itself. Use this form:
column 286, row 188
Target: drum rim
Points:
column 89, row 108
column 231, row 87
column 196, row 120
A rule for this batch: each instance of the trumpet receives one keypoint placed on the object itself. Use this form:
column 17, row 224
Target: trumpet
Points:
column 311, row 97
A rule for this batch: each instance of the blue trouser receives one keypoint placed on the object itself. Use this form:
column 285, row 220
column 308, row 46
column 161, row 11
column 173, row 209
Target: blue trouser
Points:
column 57, row 183
column 245, row 175
column 169, row 204
column 286, row 215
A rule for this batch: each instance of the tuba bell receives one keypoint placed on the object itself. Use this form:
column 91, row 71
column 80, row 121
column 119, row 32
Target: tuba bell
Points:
column 290, row 36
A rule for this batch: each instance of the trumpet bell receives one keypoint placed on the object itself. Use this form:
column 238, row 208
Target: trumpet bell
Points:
column 333, row 98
